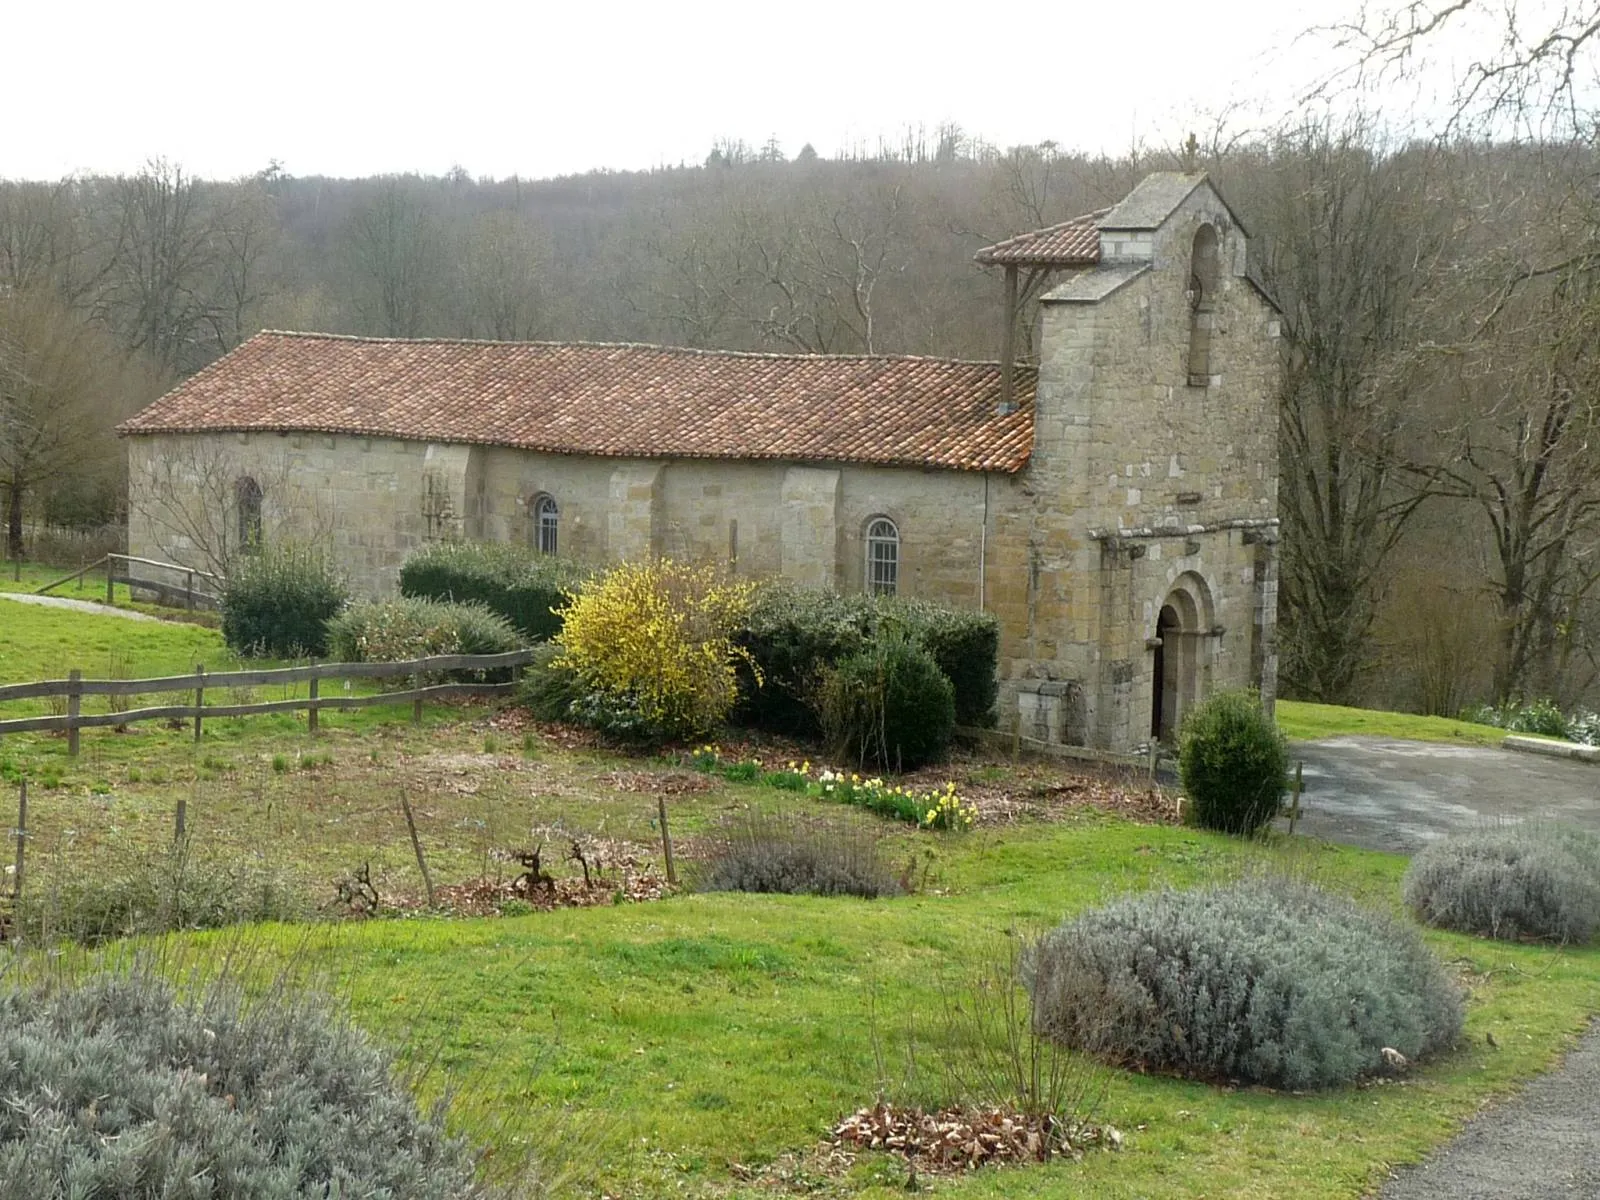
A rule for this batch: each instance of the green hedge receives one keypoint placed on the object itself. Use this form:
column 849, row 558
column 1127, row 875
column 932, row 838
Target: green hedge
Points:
column 276, row 604
column 795, row 633
column 408, row 628
column 513, row 581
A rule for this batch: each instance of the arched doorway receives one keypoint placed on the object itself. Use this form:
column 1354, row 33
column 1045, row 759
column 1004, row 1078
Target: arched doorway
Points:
column 1179, row 667
column 1164, row 700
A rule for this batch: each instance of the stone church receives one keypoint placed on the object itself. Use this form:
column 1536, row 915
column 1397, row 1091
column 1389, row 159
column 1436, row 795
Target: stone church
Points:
column 1115, row 506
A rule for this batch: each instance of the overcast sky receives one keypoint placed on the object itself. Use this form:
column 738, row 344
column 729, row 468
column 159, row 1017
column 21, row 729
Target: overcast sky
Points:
column 355, row 87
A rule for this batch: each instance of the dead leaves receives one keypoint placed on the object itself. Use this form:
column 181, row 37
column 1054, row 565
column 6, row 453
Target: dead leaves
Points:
column 956, row 1139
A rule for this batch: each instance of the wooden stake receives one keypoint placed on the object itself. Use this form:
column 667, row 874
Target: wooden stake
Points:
column 311, row 712
column 199, row 697
column 416, row 844
column 416, row 704
column 22, row 840
column 666, row 840
column 1294, row 805
column 74, row 707
column 180, row 822
column 1016, row 735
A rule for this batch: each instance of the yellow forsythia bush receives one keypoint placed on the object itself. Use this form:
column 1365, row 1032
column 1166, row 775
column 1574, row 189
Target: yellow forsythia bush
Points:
column 652, row 644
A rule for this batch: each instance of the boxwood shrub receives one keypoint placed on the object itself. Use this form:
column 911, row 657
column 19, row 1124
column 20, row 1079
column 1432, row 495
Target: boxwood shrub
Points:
column 512, row 581
column 1510, row 881
column 1262, row 981
column 117, row 1088
column 794, row 633
column 277, row 603
column 888, row 705
column 1233, row 762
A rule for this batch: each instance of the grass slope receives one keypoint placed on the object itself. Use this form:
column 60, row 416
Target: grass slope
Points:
column 1306, row 722
column 706, row 1032
column 689, row 1042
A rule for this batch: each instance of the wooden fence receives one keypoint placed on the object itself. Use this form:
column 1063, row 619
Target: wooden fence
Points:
column 75, row 687
column 186, row 595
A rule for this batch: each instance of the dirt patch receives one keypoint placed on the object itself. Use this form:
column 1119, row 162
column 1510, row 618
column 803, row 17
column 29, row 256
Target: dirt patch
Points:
column 651, row 783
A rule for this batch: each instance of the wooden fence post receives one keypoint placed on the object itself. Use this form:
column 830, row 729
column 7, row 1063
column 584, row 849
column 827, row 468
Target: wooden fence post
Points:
column 311, row 709
column 180, row 822
column 416, row 844
column 74, row 708
column 22, row 839
column 111, row 579
column 416, row 703
column 199, row 697
column 1294, row 805
column 666, row 840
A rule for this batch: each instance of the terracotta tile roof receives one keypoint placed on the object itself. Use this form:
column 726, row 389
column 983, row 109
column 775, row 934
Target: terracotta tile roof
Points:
column 1074, row 243
column 615, row 400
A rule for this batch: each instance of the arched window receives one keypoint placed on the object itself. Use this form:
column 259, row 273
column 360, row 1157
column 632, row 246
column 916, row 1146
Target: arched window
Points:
column 247, row 500
column 546, row 523
column 883, row 556
column 1204, row 279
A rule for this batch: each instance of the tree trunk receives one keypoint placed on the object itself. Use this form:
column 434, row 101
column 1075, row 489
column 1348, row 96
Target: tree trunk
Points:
column 14, row 520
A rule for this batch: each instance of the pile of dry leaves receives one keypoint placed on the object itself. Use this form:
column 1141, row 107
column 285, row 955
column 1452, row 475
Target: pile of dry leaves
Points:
column 954, row 1139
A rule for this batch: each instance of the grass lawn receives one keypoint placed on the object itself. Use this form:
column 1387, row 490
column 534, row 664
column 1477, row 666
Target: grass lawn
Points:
column 702, row 1045
column 1303, row 721
column 92, row 587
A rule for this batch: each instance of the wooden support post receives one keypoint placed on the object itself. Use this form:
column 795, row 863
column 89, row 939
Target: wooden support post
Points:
column 111, row 580
column 1155, row 753
column 416, row 703
column 666, row 841
column 1008, row 345
column 199, row 697
column 1016, row 735
column 188, row 591
column 180, row 822
column 74, row 707
column 311, row 711
column 22, row 840
column 1294, row 805
column 416, row 845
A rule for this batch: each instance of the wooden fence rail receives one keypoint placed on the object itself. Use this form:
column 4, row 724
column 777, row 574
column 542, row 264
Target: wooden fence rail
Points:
column 74, row 688
column 185, row 596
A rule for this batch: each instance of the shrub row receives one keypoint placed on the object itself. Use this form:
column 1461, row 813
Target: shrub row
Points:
column 523, row 587
column 793, row 634
column 1265, row 981
column 398, row 630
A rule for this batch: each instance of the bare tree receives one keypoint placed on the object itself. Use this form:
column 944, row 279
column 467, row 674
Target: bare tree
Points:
column 1526, row 454
column 394, row 250
column 1351, row 239
column 502, row 261
column 62, row 387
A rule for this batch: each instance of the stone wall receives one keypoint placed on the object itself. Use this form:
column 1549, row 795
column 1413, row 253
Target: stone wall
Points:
column 375, row 500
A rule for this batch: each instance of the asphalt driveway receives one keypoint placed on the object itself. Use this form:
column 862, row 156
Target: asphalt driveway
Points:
column 1397, row 795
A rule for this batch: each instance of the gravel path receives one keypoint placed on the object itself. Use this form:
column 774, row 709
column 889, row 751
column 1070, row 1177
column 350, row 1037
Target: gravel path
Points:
column 87, row 606
column 1544, row 1142
column 1393, row 795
